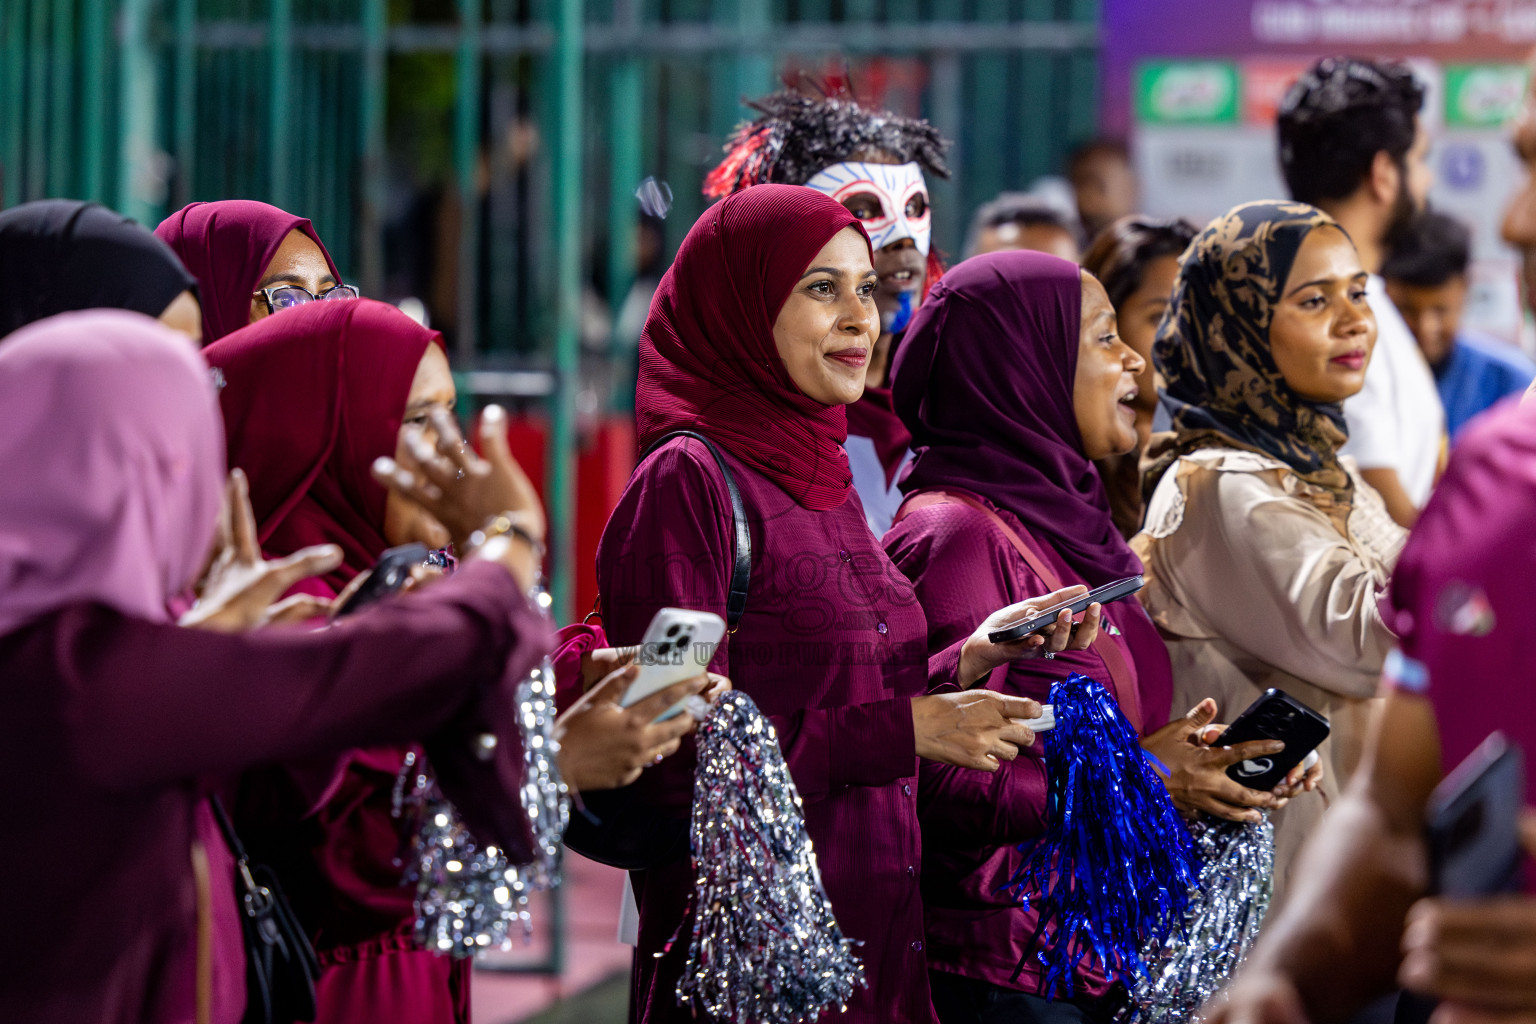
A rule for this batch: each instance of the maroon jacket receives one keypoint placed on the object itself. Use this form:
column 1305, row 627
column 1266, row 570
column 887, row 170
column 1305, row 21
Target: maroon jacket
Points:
column 114, row 727
column 833, row 648
column 963, row 568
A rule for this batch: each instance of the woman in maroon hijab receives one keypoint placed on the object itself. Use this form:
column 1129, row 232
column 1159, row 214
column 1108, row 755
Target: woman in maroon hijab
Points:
column 311, row 400
column 121, row 889
column 1012, row 380
column 250, row 260
column 758, row 336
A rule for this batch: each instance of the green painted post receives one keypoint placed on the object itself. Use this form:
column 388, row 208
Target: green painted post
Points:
column 1083, row 79
column 37, row 100
column 987, row 116
column 626, row 91
column 12, row 62
column 466, row 154
column 1037, row 129
column 566, row 174
column 754, row 68
column 93, row 100
column 279, row 93
column 136, row 91
column 184, row 131
column 371, row 221
column 61, row 100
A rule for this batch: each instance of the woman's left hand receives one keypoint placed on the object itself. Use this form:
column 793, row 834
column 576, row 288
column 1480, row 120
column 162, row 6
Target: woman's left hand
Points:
column 1304, row 778
column 239, row 590
column 979, row 655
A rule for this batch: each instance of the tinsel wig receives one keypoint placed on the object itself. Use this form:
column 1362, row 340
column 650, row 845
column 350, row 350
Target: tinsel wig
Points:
column 795, row 136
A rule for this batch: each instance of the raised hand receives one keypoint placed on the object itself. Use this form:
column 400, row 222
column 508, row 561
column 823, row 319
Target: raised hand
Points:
column 239, row 590
column 465, row 492
column 458, row 487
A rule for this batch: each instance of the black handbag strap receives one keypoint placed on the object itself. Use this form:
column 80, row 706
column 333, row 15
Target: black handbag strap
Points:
column 236, row 848
column 741, row 568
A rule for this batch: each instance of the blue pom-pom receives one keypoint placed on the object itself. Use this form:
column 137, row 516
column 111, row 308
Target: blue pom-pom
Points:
column 1112, row 871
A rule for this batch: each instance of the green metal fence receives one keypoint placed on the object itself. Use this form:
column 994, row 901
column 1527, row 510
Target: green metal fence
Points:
column 484, row 154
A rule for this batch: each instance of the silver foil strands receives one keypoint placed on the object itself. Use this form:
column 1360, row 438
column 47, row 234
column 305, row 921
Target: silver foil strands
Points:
column 1226, row 907
column 545, row 797
column 764, row 946
column 469, row 899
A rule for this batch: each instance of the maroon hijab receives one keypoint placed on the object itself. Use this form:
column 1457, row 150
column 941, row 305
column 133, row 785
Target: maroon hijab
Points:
column 310, row 399
column 707, row 357
column 227, row 246
column 984, row 381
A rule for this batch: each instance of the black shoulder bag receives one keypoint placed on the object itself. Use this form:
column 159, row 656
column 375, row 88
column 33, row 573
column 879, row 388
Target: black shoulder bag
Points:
column 614, row 828
column 280, row 965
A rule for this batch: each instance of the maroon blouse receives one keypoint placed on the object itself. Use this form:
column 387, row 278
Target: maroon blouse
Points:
column 833, row 648
column 117, row 726
column 963, row 568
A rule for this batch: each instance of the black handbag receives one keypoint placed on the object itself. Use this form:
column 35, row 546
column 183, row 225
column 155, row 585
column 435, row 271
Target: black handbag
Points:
column 280, row 965
column 612, row 827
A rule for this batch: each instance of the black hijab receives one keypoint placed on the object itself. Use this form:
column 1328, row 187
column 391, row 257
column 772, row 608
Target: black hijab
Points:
column 58, row 255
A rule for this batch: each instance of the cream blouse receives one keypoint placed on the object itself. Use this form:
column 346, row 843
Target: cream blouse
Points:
column 1254, row 587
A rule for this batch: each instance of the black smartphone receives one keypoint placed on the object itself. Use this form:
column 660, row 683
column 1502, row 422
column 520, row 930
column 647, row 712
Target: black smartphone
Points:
column 1473, row 822
column 387, row 576
column 1276, row 715
column 1035, row 623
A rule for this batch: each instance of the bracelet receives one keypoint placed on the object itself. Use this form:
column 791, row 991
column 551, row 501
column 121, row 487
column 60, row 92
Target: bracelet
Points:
column 502, row 524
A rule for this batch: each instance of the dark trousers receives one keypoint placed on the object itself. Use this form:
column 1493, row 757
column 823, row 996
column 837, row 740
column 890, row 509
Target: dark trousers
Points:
column 959, row 1000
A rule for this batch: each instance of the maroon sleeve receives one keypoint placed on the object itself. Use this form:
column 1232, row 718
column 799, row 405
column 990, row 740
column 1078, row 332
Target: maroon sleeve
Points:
column 146, row 703
column 963, row 571
column 668, row 544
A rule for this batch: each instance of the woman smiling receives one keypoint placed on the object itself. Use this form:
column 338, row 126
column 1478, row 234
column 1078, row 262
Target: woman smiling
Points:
column 758, row 337
column 1013, row 378
column 1265, row 550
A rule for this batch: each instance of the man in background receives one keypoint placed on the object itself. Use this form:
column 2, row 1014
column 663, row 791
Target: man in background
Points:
column 1022, row 220
column 1426, row 276
column 1351, row 144
column 1103, row 182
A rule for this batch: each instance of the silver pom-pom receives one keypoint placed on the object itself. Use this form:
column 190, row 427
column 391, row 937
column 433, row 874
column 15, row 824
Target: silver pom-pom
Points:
column 1226, row 907
column 468, row 899
column 765, row 946
column 545, row 796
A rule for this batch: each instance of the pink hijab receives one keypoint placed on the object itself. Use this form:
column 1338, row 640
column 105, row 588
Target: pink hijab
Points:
column 227, row 246
column 114, row 463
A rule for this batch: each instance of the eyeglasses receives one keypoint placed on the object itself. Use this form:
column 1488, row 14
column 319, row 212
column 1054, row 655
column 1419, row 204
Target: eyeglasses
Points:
column 290, row 295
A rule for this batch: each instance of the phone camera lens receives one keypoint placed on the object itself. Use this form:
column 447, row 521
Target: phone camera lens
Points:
column 673, row 630
column 684, row 640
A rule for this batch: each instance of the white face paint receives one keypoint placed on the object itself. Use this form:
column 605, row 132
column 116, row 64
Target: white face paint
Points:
column 894, row 185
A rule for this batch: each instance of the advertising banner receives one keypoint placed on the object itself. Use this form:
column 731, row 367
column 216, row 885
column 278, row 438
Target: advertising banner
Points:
column 1194, row 87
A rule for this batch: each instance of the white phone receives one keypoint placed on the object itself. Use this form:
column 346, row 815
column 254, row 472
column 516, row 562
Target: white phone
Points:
column 677, row 645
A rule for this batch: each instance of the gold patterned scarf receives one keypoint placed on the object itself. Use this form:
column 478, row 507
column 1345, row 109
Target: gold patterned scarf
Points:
column 1223, row 387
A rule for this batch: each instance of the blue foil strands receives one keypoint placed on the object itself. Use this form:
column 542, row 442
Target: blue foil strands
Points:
column 469, row 899
column 764, row 945
column 1225, row 910
column 1112, row 872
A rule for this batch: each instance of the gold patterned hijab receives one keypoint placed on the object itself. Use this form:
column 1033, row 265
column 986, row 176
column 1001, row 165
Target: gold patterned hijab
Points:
column 1223, row 388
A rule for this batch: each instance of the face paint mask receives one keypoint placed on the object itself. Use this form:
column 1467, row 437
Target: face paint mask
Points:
column 893, row 185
